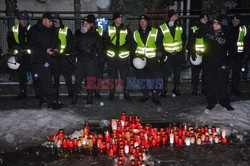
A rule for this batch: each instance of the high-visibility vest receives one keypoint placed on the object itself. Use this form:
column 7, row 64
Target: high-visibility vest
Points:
column 62, row 35
column 99, row 30
column 240, row 41
column 15, row 30
column 172, row 44
column 148, row 49
column 199, row 42
column 113, row 37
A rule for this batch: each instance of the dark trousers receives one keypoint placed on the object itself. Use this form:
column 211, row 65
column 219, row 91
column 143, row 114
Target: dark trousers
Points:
column 120, row 65
column 172, row 64
column 195, row 77
column 216, row 84
column 84, row 69
column 64, row 67
column 43, row 78
column 149, row 72
column 236, row 64
column 24, row 68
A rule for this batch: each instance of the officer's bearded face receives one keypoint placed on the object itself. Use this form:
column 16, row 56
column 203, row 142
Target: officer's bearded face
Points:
column 143, row 24
column 23, row 23
column 175, row 17
column 216, row 26
column 47, row 23
column 236, row 22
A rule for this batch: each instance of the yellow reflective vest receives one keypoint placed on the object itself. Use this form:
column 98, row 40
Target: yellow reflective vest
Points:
column 15, row 30
column 240, row 41
column 172, row 44
column 148, row 49
column 113, row 38
column 199, row 42
column 62, row 35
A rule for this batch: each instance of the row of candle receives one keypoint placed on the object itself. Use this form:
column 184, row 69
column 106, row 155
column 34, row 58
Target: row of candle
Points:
column 128, row 137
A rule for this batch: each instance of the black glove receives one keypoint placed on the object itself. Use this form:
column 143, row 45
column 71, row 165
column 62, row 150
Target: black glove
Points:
column 193, row 56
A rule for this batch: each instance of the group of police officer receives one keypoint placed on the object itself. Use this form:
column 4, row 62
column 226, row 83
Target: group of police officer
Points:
column 49, row 49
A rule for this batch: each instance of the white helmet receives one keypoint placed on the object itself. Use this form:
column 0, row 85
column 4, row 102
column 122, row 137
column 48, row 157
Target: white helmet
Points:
column 12, row 63
column 197, row 60
column 139, row 63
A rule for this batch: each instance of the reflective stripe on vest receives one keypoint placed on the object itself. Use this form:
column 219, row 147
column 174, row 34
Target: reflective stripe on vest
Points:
column 199, row 42
column 62, row 35
column 172, row 44
column 123, row 34
column 15, row 30
column 240, row 41
column 100, row 30
column 148, row 50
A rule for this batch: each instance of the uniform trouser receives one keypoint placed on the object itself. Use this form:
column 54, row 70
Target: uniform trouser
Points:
column 150, row 72
column 64, row 67
column 121, row 65
column 195, row 76
column 43, row 78
column 22, row 71
column 84, row 69
column 216, row 84
column 236, row 64
column 172, row 64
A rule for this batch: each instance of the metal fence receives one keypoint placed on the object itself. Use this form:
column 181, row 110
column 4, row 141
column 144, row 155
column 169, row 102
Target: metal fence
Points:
column 9, row 76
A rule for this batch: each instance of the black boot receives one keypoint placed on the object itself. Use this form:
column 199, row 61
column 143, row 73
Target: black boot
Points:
column 74, row 99
column 176, row 91
column 89, row 99
column 236, row 91
column 97, row 94
column 145, row 98
column 155, row 98
column 111, row 95
column 56, row 105
column 21, row 95
column 126, row 96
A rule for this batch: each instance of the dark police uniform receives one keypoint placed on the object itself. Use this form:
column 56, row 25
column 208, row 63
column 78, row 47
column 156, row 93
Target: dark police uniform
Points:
column 40, row 39
column 17, row 43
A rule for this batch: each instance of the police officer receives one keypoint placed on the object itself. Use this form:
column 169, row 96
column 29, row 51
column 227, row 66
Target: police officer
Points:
column 17, row 43
column 237, row 51
column 171, row 40
column 145, row 47
column 100, row 60
column 64, row 65
column 215, row 62
column 87, row 47
column 196, row 49
column 118, row 41
column 43, row 41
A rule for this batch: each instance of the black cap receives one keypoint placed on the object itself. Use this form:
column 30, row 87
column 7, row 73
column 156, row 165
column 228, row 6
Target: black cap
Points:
column 237, row 16
column 116, row 15
column 204, row 15
column 48, row 16
column 56, row 16
column 90, row 18
column 23, row 15
column 221, row 19
column 144, row 17
column 171, row 13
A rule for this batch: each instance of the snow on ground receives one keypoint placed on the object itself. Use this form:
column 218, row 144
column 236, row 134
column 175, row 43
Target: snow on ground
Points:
column 29, row 127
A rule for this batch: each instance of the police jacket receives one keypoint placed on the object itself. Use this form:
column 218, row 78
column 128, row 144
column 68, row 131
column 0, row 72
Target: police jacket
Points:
column 233, row 38
column 216, row 46
column 192, row 39
column 87, row 46
column 22, row 37
column 117, row 48
column 172, row 30
column 41, row 38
